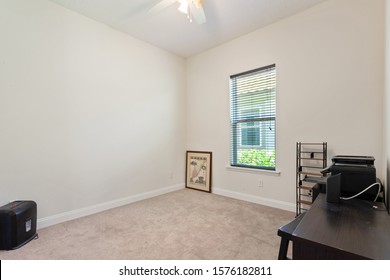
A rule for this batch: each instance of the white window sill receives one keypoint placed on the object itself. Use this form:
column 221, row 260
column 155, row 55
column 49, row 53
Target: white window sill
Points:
column 253, row 170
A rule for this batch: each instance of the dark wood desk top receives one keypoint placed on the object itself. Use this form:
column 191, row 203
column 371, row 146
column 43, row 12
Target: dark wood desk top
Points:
column 352, row 228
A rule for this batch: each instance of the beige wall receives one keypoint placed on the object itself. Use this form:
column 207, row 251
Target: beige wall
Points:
column 330, row 85
column 81, row 123
column 83, row 128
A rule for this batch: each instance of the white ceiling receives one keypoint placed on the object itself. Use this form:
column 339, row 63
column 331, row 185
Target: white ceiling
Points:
column 170, row 30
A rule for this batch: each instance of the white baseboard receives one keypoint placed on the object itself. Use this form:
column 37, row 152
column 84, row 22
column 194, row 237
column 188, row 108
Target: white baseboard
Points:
column 256, row 199
column 78, row 213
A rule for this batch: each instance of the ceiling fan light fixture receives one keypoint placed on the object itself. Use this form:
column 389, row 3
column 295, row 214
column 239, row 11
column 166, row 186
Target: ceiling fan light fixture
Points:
column 184, row 6
column 193, row 9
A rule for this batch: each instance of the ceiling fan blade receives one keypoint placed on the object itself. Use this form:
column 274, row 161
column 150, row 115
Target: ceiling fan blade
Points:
column 197, row 12
column 161, row 5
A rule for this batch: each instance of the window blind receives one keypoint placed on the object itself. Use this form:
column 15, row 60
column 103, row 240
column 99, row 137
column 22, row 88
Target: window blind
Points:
column 253, row 118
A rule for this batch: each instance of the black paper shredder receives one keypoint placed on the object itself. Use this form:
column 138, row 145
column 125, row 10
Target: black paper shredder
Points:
column 18, row 224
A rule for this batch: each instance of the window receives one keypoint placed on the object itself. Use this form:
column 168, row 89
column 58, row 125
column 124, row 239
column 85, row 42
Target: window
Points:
column 253, row 118
column 250, row 134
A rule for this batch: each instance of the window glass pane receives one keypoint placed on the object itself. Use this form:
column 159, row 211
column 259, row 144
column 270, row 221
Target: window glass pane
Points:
column 250, row 134
column 253, row 118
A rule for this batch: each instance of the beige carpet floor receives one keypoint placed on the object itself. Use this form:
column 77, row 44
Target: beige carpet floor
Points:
column 182, row 225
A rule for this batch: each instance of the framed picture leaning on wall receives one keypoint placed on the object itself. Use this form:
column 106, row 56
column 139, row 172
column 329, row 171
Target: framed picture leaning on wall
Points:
column 198, row 170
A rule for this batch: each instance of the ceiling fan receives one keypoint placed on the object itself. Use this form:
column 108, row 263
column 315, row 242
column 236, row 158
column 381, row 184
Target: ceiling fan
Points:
column 192, row 8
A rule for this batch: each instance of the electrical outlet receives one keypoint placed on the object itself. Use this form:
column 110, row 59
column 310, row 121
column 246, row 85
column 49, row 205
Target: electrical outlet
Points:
column 171, row 175
column 260, row 183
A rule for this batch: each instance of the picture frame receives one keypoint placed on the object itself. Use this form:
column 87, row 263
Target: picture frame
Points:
column 198, row 170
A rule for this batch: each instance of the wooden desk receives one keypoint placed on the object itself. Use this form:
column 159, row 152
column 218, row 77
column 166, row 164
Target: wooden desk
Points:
column 351, row 229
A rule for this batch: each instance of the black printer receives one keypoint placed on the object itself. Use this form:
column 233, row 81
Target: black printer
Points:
column 356, row 174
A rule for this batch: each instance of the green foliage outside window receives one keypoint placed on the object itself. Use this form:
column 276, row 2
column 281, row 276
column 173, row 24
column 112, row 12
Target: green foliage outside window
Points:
column 255, row 157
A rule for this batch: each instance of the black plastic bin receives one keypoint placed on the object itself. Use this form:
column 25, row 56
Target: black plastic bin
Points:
column 18, row 224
